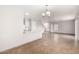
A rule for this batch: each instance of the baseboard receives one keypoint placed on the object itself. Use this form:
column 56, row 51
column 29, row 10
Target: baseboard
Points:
column 64, row 33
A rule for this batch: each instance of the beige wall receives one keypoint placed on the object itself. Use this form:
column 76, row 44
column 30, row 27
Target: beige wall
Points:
column 67, row 27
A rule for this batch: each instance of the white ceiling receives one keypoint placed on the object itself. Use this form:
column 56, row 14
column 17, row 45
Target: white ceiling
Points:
column 58, row 12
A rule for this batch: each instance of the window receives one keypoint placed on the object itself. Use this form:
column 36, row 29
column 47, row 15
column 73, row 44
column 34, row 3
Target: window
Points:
column 55, row 27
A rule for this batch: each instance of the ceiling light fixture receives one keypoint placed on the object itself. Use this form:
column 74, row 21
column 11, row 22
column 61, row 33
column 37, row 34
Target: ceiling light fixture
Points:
column 47, row 12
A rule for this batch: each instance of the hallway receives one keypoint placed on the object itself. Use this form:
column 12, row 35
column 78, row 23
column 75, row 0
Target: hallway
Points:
column 58, row 43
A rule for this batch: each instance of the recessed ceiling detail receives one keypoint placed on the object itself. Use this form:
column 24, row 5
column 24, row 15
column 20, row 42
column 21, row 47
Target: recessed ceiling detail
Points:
column 58, row 12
